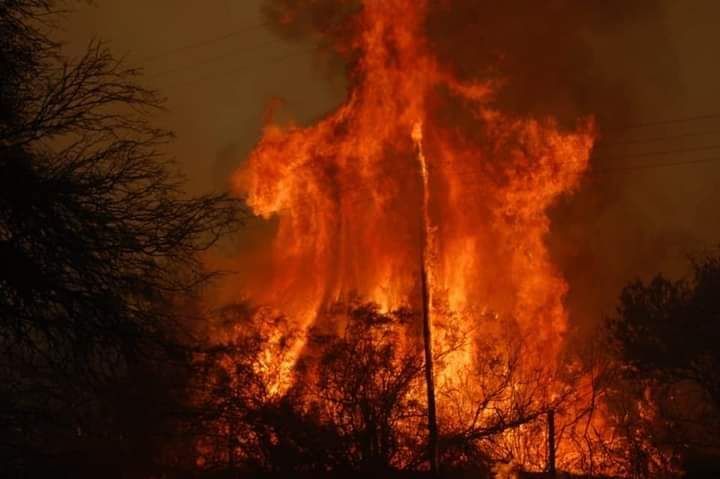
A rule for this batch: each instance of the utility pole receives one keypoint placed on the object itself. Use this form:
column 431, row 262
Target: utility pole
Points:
column 433, row 450
column 551, row 443
column 429, row 375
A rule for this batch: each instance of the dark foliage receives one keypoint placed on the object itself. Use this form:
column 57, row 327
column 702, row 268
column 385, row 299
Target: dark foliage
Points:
column 666, row 335
column 96, row 242
column 670, row 330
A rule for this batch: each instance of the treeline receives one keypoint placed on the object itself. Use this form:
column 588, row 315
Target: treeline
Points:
column 664, row 339
column 104, row 371
column 637, row 403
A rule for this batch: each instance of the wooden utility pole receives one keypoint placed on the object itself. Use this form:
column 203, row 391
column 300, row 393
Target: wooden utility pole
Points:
column 551, row 443
column 429, row 373
column 433, row 450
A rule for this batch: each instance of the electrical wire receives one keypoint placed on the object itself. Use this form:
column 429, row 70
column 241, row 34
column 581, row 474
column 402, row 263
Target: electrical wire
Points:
column 202, row 43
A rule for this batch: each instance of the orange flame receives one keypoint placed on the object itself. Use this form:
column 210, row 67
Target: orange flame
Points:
column 347, row 193
column 345, row 189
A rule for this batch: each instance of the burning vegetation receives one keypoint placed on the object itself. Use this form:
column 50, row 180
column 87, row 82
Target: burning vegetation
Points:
column 410, row 266
column 420, row 193
column 410, row 318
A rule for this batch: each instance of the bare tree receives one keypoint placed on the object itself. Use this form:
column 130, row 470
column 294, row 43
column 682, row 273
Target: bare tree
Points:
column 496, row 408
column 97, row 240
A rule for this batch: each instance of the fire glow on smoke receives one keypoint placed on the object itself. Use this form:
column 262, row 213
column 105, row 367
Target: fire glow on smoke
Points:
column 348, row 190
column 348, row 193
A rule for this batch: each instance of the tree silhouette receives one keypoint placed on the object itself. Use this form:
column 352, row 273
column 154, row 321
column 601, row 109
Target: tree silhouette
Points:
column 96, row 241
column 670, row 330
column 666, row 334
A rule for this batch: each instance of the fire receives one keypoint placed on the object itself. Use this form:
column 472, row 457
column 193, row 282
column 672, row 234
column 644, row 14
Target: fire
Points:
column 416, row 152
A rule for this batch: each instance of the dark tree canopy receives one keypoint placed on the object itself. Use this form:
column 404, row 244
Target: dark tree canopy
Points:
column 671, row 329
column 665, row 335
column 97, row 239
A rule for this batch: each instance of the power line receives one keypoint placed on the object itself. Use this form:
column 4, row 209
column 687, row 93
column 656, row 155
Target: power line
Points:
column 669, row 121
column 203, row 43
column 213, row 40
column 665, row 152
column 231, row 54
column 207, row 61
column 633, row 167
column 305, row 52
column 310, row 50
column 313, row 49
column 245, row 68
column 653, row 166
column 264, row 24
column 619, row 169
column 602, row 144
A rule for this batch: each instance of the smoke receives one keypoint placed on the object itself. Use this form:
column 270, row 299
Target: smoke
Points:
column 320, row 19
column 544, row 54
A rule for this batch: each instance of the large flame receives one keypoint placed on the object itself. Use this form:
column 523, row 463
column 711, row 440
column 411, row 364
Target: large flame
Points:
column 415, row 157
column 348, row 191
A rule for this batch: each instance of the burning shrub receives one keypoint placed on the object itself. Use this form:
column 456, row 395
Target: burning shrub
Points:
column 357, row 400
column 367, row 387
column 488, row 403
column 233, row 394
column 352, row 407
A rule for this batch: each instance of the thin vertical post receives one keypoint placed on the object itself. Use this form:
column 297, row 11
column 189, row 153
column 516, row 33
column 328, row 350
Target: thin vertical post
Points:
column 551, row 442
column 425, row 241
column 433, row 449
